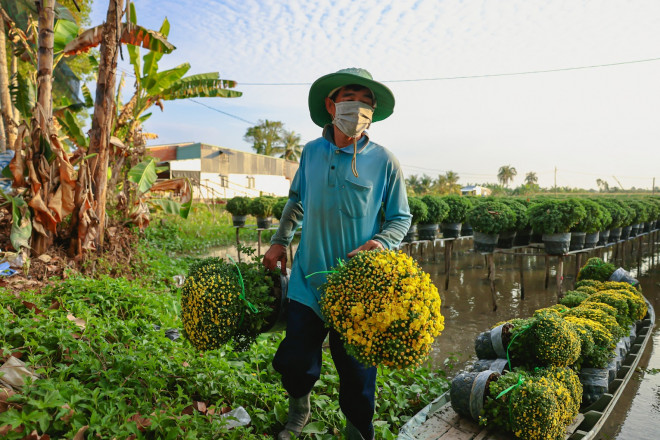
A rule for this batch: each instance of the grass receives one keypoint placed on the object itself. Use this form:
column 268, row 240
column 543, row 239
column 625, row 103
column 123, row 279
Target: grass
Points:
column 105, row 366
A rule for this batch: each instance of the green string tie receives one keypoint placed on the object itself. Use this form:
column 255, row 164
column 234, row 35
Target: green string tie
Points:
column 242, row 294
column 521, row 379
column 340, row 262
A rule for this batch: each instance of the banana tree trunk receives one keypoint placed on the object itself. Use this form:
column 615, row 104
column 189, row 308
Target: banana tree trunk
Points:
column 9, row 127
column 42, row 237
column 88, row 227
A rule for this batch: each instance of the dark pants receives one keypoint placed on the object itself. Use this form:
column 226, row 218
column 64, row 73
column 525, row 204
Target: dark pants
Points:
column 298, row 360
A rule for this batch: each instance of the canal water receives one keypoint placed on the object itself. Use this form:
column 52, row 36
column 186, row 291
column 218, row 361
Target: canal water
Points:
column 471, row 304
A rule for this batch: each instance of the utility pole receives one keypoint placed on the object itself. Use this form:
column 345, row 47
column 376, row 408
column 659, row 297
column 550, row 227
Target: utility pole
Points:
column 617, row 181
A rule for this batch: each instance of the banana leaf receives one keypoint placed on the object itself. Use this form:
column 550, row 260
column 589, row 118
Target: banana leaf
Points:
column 131, row 33
column 144, row 175
column 202, row 87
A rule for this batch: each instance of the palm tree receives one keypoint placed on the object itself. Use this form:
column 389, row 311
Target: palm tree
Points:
column 603, row 186
column 412, row 183
column 447, row 184
column 425, row 185
column 531, row 178
column 291, row 148
column 506, row 174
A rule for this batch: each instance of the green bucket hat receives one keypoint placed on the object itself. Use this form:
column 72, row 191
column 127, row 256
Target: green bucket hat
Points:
column 323, row 86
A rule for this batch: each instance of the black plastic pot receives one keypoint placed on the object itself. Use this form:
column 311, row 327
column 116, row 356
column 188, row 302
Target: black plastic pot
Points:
column 264, row 222
column 557, row 244
column 577, row 241
column 499, row 365
column 647, row 227
column 635, row 230
column 591, row 240
column 469, row 391
column 536, row 237
column 615, row 235
column 625, row 232
column 522, row 237
column 485, row 243
column 603, row 237
column 427, row 231
column 505, row 239
column 238, row 220
column 451, row 230
column 411, row 234
column 466, row 230
column 492, row 343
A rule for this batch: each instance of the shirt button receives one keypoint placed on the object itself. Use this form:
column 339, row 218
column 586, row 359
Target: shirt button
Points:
column 336, row 151
column 332, row 167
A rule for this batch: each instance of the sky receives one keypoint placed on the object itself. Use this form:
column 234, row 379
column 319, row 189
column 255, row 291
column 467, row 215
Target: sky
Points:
column 478, row 83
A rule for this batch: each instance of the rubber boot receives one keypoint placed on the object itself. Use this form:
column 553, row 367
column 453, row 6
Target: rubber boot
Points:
column 297, row 419
column 352, row 432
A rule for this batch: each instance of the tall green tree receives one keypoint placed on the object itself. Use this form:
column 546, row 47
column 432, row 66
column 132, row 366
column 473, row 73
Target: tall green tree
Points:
column 531, row 178
column 266, row 138
column 506, row 174
column 291, row 148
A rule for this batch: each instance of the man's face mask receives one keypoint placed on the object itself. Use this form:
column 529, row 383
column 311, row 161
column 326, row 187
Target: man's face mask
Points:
column 352, row 117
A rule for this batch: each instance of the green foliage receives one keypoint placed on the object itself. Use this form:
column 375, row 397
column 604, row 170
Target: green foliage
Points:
column 279, row 207
column 418, row 209
column 519, row 208
column 573, row 298
column 458, row 208
column 262, row 206
column 437, row 209
column 238, row 205
column 224, row 301
column 555, row 216
column 122, row 364
column 491, row 217
column 596, row 269
column 597, row 217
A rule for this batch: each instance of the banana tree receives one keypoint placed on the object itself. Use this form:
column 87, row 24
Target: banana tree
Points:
column 143, row 177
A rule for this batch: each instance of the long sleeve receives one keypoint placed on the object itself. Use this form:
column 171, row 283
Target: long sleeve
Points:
column 292, row 215
column 397, row 212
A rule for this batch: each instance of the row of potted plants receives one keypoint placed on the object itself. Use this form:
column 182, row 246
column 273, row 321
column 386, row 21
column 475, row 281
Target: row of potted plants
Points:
column 562, row 224
column 264, row 208
column 534, row 373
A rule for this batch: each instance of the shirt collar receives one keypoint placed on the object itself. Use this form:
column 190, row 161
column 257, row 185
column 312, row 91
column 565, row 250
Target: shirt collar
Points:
column 329, row 135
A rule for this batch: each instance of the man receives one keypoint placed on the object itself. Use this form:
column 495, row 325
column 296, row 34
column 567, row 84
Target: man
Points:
column 343, row 184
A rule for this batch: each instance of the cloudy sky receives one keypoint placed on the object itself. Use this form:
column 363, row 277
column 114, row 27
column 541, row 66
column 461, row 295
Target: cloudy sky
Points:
column 478, row 83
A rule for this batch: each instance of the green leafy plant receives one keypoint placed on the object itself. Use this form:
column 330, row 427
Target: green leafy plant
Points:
column 596, row 218
column 225, row 301
column 437, row 209
column 262, row 206
column 458, row 208
column 418, row 209
column 596, row 269
column 238, row 205
column 520, row 211
column 279, row 207
column 491, row 217
column 555, row 216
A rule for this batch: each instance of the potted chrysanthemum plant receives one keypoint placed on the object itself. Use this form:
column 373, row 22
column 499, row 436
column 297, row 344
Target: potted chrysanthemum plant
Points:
column 223, row 301
column 239, row 208
column 488, row 219
column 385, row 308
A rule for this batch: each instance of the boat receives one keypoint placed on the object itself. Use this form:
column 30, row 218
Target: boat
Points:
column 439, row 421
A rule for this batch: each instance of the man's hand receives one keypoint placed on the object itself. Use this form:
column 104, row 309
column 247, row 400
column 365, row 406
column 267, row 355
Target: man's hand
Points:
column 368, row 246
column 275, row 253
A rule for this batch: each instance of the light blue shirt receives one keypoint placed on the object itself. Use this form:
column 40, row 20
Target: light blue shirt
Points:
column 338, row 211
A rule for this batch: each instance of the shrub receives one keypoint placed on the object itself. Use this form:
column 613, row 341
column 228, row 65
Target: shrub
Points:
column 596, row 269
column 279, row 207
column 437, row 209
column 491, row 217
column 418, row 209
column 238, row 205
column 596, row 219
column 520, row 211
column 573, row 298
column 458, row 208
column 262, row 206
column 555, row 216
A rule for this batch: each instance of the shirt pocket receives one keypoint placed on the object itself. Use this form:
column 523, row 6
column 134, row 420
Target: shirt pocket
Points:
column 355, row 198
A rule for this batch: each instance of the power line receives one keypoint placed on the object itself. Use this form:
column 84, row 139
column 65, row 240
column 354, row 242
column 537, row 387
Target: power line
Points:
column 488, row 75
